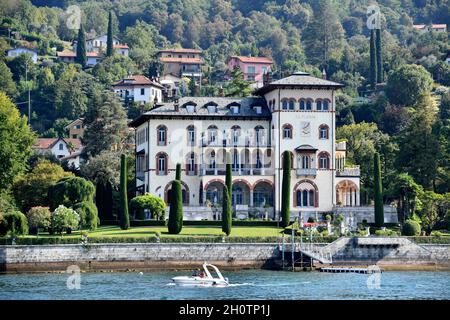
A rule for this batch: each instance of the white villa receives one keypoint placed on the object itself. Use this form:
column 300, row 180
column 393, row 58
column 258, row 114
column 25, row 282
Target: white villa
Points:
column 138, row 88
column 65, row 149
column 296, row 114
column 22, row 50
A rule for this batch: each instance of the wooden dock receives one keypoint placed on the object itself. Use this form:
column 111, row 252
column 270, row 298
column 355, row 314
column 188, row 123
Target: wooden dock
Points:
column 349, row 270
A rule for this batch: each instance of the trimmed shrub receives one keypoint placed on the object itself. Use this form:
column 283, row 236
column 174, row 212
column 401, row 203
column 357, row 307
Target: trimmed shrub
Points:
column 88, row 214
column 226, row 212
column 286, row 190
column 411, row 228
column 123, row 212
column 16, row 223
column 39, row 217
column 176, row 209
column 64, row 218
column 378, row 191
column 69, row 191
column 155, row 204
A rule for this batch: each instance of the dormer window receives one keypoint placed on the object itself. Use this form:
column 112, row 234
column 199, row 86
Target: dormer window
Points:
column 190, row 108
column 258, row 109
column 235, row 109
column 211, row 109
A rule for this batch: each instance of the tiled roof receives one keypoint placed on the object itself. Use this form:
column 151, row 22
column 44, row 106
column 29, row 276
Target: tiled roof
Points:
column 437, row 26
column 136, row 80
column 181, row 50
column 222, row 109
column 253, row 59
column 182, row 60
column 121, row 46
column 71, row 54
column 299, row 79
column 47, row 143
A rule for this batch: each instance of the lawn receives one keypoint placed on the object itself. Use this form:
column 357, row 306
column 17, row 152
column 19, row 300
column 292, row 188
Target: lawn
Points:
column 115, row 231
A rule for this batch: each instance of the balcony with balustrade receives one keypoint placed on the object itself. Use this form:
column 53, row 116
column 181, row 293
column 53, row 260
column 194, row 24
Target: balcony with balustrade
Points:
column 354, row 171
column 310, row 172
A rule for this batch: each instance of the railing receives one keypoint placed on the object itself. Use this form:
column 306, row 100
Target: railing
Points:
column 349, row 172
column 247, row 143
column 307, row 172
column 220, row 170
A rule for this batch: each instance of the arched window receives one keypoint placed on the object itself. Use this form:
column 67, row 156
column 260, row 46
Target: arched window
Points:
column 235, row 163
column 319, row 105
column 309, row 105
column 162, row 135
column 161, row 164
column 259, row 135
column 212, row 160
column 212, row 135
column 302, row 104
column 191, row 164
column 236, row 131
column 191, row 135
column 305, row 195
column 324, row 132
column 284, row 105
column 324, row 160
column 287, row 131
column 325, row 105
column 291, row 105
column 306, row 162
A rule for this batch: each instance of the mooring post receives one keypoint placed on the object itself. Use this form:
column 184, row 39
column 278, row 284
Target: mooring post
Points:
column 292, row 247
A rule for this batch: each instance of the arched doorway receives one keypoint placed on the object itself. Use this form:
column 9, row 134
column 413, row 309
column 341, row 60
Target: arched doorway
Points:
column 347, row 194
column 214, row 192
column 263, row 195
column 184, row 193
column 240, row 194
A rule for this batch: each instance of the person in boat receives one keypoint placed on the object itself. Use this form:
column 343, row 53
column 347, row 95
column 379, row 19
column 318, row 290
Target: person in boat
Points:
column 194, row 273
column 202, row 274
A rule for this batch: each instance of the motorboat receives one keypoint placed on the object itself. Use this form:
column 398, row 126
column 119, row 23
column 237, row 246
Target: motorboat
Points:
column 203, row 278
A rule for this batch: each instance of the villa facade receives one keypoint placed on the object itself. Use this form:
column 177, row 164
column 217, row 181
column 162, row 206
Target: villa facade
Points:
column 295, row 114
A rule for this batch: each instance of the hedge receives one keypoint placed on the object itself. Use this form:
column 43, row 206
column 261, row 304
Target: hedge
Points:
column 236, row 223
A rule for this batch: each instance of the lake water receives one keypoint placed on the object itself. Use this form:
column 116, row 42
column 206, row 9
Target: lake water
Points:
column 248, row 284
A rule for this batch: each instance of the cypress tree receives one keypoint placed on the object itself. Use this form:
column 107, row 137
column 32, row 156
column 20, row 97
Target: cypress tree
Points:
column 109, row 40
column 286, row 190
column 124, row 216
column 228, row 177
column 373, row 60
column 226, row 212
column 380, row 73
column 81, row 47
column 178, row 172
column 176, row 209
column 378, row 192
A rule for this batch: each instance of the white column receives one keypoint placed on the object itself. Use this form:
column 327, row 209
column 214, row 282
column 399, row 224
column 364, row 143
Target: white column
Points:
column 239, row 163
column 262, row 164
column 357, row 198
column 347, row 198
column 251, row 198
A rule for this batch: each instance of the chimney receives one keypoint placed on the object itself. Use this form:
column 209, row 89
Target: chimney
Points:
column 176, row 107
column 324, row 74
column 221, row 92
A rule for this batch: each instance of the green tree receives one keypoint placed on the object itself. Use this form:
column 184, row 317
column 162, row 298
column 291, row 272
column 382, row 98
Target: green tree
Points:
column 16, row 140
column 378, row 192
column 81, row 47
column 88, row 214
column 70, row 191
column 286, row 190
column 31, row 189
column 238, row 86
column 379, row 47
column 114, row 68
column 106, row 126
column 373, row 60
column 110, row 39
column 155, row 204
column 229, row 176
column 178, row 172
column 175, row 223
column 419, row 146
column 124, row 216
column 407, row 84
column 226, row 211
column 406, row 191
column 6, row 80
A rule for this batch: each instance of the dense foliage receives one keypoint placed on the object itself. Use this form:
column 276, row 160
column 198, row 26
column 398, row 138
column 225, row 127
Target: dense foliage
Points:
column 64, row 219
column 70, row 191
column 227, row 212
column 39, row 217
column 154, row 204
column 411, row 228
column 286, row 189
column 123, row 202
